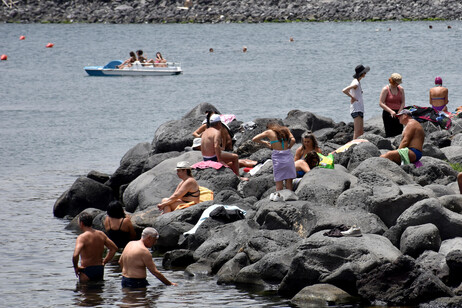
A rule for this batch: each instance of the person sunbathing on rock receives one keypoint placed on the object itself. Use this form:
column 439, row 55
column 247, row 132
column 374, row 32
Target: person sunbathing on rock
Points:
column 227, row 141
column 186, row 191
column 304, row 165
column 410, row 148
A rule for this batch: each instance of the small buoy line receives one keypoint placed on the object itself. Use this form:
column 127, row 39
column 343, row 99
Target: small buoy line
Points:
column 4, row 57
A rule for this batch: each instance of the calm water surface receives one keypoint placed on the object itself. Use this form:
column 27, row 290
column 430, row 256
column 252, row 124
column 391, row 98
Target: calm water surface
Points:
column 57, row 124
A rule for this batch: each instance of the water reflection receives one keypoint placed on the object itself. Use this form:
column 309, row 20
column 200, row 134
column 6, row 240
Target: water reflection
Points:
column 89, row 294
column 138, row 298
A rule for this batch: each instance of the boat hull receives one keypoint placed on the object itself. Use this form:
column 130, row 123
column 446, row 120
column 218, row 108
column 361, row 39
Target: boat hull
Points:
column 154, row 71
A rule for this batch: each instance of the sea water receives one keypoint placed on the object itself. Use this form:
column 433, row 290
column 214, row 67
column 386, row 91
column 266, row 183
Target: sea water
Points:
column 57, row 123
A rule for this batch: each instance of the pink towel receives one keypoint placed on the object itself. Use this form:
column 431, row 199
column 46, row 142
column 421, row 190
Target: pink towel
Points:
column 208, row 164
column 227, row 118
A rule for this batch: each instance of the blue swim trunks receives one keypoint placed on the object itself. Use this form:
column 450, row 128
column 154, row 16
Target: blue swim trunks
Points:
column 417, row 153
column 95, row 272
column 212, row 158
column 134, row 282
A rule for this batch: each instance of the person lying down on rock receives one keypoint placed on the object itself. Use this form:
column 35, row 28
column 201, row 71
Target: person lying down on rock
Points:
column 187, row 193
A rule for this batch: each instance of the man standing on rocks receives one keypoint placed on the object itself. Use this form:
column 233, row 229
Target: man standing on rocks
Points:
column 410, row 148
column 90, row 247
column 136, row 258
column 211, row 146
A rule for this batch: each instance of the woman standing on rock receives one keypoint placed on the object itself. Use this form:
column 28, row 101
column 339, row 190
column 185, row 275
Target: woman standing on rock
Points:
column 392, row 101
column 355, row 92
column 280, row 141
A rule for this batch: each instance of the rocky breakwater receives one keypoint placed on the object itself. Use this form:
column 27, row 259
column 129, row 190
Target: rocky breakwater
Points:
column 410, row 251
column 207, row 11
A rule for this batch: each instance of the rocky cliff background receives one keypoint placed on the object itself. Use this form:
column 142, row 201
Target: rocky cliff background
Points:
column 216, row 11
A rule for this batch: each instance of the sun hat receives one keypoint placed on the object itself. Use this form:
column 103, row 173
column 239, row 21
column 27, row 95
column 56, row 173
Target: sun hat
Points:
column 360, row 69
column 405, row 111
column 438, row 80
column 215, row 118
column 183, row 165
column 396, row 78
column 196, row 143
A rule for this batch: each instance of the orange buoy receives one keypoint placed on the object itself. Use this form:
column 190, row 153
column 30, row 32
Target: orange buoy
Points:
column 4, row 57
column 50, row 45
column 22, row 37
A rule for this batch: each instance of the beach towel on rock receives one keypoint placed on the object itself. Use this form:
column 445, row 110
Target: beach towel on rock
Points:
column 326, row 161
column 206, row 214
column 205, row 195
column 208, row 164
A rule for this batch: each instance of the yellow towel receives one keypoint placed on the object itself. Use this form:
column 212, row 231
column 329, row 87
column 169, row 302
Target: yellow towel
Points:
column 205, row 195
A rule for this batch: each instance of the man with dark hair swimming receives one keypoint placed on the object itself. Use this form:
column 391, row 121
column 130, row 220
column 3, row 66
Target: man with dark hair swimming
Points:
column 90, row 248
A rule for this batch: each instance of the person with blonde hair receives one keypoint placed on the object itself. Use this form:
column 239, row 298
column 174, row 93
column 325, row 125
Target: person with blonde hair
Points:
column 392, row 101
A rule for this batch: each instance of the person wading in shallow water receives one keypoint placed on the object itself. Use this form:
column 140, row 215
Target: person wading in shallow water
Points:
column 136, row 258
column 90, row 248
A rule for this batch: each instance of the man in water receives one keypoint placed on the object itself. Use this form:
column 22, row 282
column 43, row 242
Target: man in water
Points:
column 211, row 146
column 90, row 248
column 412, row 142
column 136, row 258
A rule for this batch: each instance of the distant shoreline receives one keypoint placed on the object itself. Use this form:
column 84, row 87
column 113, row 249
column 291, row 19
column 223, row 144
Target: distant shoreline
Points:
column 224, row 11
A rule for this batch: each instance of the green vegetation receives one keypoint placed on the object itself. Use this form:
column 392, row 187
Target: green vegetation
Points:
column 456, row 166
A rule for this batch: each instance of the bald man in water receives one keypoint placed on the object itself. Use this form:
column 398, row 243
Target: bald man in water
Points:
column 89, row 246
column 136, row 258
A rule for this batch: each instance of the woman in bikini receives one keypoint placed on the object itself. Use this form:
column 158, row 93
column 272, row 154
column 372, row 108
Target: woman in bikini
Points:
column 186, row 191
column 118, row 226
column 280, row 141
column 392, row 101
column 309, row 144
column 128, row 62
column 439, row 96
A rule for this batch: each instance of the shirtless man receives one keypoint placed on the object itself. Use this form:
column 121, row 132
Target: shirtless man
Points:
column 211, row 146
column 90, row 248
column 136, row 258
column 413, row 139
column 439, row 96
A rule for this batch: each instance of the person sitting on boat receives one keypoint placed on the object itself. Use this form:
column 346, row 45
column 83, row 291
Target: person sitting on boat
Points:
column 439, row 96
column 187, row 191
column 159, row 61
column 128, row 62
column 140, row 56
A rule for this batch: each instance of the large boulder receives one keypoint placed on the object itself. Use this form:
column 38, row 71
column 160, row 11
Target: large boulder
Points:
column 453, row 153
column 433, row 151
column 175, row 135
column 378, row 194
column 361, row 152
column 425, row 211
column 401, row 283
column 160, row 182
column 384, row 167
column 306, row 218
column 432, row 171
column 323, row 186
column 322, row 295
column 156, row 159
column 131, row 166
column 434, row 263
column 300, row 122
column 379, row 141
column 84, row 193
column 338, row 261
column 417, row 239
